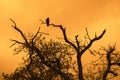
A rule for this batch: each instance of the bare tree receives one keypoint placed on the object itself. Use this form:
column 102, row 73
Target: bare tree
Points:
column 79, row 47
column 54, row 58
column 112, row 59
column 106, row 66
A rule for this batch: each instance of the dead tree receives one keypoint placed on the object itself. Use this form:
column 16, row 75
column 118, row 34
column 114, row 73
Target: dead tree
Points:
column 106, row 66
column 112, row 59
column 80, row 48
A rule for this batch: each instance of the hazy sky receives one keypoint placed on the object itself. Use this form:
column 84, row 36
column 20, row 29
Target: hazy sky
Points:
column 74, row 15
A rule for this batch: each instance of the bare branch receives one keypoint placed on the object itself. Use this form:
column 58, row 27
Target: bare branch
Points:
column 12, row 45
column 64, row 34
column 93, row 40
column 77, row 41
column 17, row 42
column 16, row 28
column 91, row 52
column 115, row 64
column 77, row 48
column 88, row 34
column 42, row 22
column 13, row 22
column 115, row 74
column 36, row 34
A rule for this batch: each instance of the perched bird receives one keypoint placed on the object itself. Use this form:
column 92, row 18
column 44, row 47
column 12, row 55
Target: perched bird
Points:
column 47, row 21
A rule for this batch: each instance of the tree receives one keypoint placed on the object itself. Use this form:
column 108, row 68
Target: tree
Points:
column 79, row 47
column 47, row 60
column 107, row 65
column 47, row 21
column 51, row 60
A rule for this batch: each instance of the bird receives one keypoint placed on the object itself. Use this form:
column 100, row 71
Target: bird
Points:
column 47, row 21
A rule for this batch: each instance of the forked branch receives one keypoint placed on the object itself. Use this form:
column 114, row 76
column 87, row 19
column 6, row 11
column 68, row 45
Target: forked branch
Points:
column 16, row 28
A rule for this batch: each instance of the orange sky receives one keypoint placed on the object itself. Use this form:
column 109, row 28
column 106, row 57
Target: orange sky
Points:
column 74, row 15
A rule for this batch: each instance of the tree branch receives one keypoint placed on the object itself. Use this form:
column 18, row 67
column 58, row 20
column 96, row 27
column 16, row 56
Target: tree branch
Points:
column 93, row 40
column 16, row 28
column 77, row 42
column 88, row 34
column 118, row 64
column 115, row 74
column 17, row 42
column 64, row 34
column 38, row 52
column 36, row 34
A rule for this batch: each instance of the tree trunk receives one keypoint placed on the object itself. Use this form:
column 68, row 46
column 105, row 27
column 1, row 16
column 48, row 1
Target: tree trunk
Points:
column 105, row 75
column 80, row 72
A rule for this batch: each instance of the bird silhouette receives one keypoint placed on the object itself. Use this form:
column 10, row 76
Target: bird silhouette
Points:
column 48, row 21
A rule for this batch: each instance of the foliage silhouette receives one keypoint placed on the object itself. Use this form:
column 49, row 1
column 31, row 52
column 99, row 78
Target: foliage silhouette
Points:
column 106, row 67
column 53, row 60
column 79, row 47
column 47, row 60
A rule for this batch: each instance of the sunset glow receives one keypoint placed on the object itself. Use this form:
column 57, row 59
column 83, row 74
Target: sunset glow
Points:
column 75, row 15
